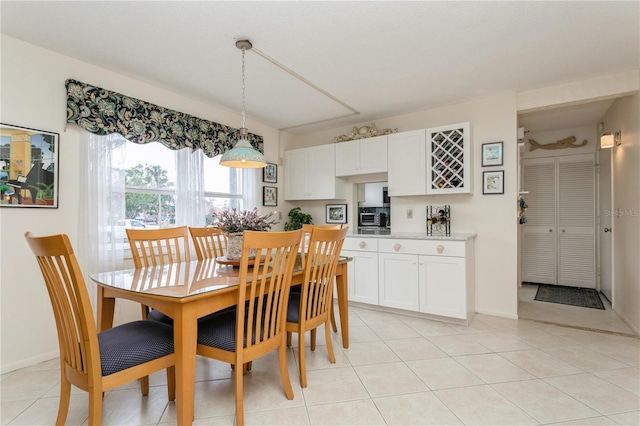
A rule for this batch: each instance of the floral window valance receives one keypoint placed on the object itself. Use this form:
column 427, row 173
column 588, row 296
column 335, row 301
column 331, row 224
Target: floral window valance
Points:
column 103, row 112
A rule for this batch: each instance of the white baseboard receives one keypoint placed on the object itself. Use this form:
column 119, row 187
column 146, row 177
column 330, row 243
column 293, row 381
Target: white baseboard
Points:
column 28, row 362
column 497, row 314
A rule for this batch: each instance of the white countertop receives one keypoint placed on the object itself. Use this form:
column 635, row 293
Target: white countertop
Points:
column 415, row 236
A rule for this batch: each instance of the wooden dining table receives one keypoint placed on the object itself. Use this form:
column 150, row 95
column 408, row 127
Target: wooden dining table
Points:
column 187, row 291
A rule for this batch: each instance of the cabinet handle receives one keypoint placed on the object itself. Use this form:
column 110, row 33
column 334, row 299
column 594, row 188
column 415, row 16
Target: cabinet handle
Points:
column 362, row 244
column 440, row 249
column 396, row 246
column 550, row 230
column 563, row 230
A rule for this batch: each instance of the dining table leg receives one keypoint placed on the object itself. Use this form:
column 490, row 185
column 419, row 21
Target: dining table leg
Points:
column 343, row 303
column 185, row 336
column 106, row 306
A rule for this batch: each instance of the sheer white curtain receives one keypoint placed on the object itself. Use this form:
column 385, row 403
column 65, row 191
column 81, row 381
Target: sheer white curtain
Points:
column 190, row 200
column 251, row 188
column 102, row 178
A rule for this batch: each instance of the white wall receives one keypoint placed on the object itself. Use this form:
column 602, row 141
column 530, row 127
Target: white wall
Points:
column 624, row 115
column 492, row 217
column 33, row 95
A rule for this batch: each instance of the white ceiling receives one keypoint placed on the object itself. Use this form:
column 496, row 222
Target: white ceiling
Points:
column 381, row 58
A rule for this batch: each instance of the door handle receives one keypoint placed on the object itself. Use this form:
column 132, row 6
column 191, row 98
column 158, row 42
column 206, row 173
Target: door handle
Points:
column 607, row 229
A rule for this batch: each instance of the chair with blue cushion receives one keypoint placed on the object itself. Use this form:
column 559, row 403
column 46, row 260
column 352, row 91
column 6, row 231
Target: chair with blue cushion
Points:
column 257, row 326
column 312, row 307
column 96, row 362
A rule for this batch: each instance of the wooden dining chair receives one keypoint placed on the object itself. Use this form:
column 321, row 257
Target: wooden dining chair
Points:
column 209, row 242
column 307, row 228
column 312, row 306
column 156, row 247
column 257, row 326
column 95, row 362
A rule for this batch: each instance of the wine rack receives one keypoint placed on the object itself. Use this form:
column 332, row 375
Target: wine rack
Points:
column 439, row 220
column 448, row 159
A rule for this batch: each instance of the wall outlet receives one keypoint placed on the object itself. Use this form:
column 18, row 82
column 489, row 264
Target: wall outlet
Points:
column 409, row 213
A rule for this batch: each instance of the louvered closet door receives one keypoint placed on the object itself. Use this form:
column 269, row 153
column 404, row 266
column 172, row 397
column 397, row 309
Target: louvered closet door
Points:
column 539, row 256
column 576, row 221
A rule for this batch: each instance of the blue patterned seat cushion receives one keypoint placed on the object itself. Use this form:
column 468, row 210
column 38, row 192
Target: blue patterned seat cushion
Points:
column 293, row 310
column 218, row 330
column 132, row 344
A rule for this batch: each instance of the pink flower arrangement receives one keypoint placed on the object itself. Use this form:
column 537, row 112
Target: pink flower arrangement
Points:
column 234, row 221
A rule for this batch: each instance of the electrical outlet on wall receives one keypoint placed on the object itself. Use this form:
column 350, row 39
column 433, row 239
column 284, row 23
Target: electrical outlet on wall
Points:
column 409, row 213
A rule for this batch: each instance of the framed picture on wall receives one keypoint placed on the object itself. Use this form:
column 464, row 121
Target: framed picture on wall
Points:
column 270, row 173
column 269, row 196
column 336, row 213
column 492, row 154
column 493, row 182
column 28, row 167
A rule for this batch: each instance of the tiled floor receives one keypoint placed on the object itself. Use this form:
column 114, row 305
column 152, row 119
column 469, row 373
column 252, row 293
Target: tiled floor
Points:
column 586, row 318
column 398, row 370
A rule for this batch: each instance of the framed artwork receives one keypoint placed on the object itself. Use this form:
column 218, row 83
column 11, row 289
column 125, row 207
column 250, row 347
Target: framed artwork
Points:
column 493, row 182
column 269, row 196
column 28, row 167
column 492, row 154
column 270, row 173
column 336, row 213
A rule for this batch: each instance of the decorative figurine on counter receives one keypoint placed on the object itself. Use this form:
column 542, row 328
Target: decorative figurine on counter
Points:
column 439, row 220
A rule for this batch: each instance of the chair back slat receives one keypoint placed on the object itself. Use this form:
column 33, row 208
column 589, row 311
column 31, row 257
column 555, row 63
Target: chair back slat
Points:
column 154, row 247
column 306, row 229
column 320, row 270
column 209, row 242
column 265, row 281
column 77, row 335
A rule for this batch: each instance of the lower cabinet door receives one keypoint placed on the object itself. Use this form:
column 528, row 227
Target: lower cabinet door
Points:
column 398, row 275
column 442, row 286
column 363, row 276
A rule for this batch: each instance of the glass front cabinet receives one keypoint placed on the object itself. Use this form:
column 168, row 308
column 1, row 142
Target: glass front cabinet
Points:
column 449, row 162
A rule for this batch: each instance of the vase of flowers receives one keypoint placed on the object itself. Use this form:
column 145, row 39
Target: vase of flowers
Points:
column 234, row 222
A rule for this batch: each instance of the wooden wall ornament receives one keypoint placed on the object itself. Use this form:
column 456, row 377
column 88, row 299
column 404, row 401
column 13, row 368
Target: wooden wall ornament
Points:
column 364, row 132
column 561, row 144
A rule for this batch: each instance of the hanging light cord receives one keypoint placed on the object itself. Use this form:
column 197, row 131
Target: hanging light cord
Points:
column 244, row 125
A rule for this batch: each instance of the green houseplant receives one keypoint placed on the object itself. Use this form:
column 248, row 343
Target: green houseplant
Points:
column 297, row 218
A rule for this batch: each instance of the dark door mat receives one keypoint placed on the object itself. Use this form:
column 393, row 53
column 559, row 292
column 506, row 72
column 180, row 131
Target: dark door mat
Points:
column 576, row 296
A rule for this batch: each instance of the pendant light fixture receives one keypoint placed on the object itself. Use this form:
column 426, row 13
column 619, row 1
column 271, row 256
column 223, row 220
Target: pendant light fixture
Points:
column 243, row 155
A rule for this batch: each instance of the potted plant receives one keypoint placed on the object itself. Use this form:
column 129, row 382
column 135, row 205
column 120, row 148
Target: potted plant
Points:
column 297, row 218
column 234, row 222
column 45, row 193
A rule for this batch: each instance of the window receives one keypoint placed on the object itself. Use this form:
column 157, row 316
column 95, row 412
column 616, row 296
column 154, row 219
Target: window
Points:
column 151, row 181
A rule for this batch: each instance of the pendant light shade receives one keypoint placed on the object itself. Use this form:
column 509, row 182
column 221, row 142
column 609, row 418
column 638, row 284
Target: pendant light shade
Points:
column 243, row 155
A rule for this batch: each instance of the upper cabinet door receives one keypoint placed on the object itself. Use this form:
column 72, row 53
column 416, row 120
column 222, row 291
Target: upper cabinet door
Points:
column 448, row 160
column 310, row 174
column 406, row 163
column 360, row 157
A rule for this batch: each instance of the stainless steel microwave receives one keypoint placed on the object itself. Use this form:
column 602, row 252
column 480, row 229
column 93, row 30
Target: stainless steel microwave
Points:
column 373, row 219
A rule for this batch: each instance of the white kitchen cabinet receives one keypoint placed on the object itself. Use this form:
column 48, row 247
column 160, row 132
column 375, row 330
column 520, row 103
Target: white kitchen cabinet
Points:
column 361, row 157
column 310, row 174
column 449, row 160
column 398, row 281
column 406, row 163
column 442, row 286
column 432, row 276
column 362, row 271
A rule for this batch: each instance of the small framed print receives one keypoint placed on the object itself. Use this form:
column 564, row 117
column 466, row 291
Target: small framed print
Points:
column 493, row 182
column 492, row 154
column 270, row 173
column 336, row 213
column 269, row 196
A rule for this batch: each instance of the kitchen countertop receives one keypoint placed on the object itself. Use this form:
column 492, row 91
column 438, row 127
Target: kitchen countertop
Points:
column 415, row 236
